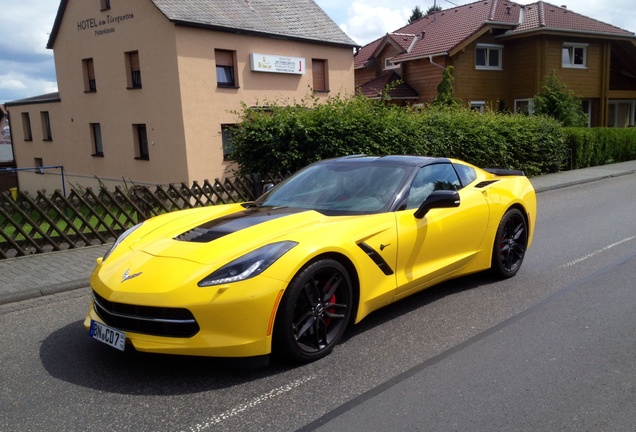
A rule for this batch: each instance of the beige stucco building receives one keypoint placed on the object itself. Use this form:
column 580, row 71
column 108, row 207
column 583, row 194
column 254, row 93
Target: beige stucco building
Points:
column 147, row 89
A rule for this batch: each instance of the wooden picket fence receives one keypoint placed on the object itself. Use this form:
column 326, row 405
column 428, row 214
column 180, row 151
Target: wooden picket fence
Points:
column 84, row 217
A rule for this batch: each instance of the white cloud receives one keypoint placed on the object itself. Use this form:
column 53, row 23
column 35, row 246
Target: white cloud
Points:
column 11, row 83
column 366, row 21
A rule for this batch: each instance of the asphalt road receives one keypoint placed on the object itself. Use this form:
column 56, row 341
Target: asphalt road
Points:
column 551, row 349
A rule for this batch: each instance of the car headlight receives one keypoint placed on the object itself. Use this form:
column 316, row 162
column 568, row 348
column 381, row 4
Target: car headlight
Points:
column 249, row 265
column 120, row 239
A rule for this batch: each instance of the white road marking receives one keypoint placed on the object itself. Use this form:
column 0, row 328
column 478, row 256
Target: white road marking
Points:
column 596, row 252
column 215, row 420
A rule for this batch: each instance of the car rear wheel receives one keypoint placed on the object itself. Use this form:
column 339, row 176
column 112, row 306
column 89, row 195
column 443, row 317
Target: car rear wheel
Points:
column 314, row 311
column 510, row 244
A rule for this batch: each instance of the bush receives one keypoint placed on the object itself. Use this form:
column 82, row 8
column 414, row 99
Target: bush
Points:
column 600, row 146
column 285, row 138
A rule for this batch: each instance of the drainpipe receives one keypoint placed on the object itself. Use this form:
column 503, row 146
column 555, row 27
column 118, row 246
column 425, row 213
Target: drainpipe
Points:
column 430, row 58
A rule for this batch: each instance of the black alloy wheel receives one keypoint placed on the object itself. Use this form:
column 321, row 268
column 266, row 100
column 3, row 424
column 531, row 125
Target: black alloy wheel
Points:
column 314, row 311
column 510, row 245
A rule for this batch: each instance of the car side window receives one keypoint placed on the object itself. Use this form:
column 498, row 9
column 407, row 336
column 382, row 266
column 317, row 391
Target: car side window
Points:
column 431, row 178
column 466, row 174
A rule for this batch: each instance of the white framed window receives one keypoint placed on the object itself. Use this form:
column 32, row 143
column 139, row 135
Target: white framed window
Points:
column 574, row 55
column 388, row 63
column 488, row 56
column 478, row 106
column 524, row 106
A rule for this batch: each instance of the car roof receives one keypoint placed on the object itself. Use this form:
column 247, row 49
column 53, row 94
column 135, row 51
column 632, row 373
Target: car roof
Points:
column 408, row 160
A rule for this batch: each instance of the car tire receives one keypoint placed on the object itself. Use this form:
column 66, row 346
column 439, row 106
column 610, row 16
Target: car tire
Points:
column 511, row 242
column 314, row 312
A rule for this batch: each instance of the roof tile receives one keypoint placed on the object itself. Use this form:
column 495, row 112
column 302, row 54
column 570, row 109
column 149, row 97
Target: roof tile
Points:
column 298, row 19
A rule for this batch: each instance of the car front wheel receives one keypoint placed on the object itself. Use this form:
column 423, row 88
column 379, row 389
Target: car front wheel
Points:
column 510, row 244
column 314, row 311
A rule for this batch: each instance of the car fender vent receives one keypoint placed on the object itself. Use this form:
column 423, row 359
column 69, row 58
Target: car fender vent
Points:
column 377, row 258
column 485, row 183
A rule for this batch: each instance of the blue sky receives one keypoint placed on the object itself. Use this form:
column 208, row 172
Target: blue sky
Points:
column 27, row 69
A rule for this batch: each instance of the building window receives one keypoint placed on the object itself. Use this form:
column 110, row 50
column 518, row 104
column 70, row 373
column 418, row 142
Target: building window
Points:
column 26, row 127
column 96, row 137
column 320, row 75
column 388, row 63
column 89, row 76
column 488, row 56
column 46, row 125
column 227, row 133
column 141, row 142
column 104, row 4
column 574, row 55
column 586, row 106
column 621, row 113
column 478, row 106
column 132, row 69
column 225, row 68
column 38, row 163
column 524, row 106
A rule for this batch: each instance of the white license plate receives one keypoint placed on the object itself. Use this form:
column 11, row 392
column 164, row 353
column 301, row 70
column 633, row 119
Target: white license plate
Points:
column 108, row 335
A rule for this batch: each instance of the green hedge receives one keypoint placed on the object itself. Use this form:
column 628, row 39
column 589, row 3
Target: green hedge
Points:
column 600, row 146
column 286, row 137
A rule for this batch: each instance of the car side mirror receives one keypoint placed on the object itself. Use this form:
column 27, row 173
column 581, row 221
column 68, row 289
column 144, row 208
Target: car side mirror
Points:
column 267, row 187
column 438, row 199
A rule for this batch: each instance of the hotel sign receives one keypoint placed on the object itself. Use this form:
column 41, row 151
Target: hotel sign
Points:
column 277, row 64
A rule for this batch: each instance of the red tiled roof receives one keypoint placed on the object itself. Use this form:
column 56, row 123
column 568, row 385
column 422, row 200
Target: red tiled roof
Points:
column 542, row 16
column 448, row 30
column 398, row 90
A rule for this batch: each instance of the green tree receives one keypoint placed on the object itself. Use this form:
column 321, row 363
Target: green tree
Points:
column 435, row 8
column 416, row 14
column 558, row 101
column 445, row 90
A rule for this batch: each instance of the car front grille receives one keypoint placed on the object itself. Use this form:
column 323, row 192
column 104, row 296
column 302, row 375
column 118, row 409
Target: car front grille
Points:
column 157, row 321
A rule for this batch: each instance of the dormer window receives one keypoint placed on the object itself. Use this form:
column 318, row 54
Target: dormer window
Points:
column 488, row 56
column 388, row 63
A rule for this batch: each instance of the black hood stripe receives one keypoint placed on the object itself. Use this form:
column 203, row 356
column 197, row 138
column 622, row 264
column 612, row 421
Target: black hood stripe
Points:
column 234, row 222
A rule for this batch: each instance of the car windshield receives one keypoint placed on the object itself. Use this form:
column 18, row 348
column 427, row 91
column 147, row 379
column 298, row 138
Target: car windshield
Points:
column 339, row 188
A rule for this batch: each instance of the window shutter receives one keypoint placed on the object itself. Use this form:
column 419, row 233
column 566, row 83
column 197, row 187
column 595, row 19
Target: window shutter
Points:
column 318, row 69
column 224, row 58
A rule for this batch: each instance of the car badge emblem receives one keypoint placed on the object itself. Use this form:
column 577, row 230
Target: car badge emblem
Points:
column 127, row 276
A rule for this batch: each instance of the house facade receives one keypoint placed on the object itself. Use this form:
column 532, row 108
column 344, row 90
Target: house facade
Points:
column 8, row 178
column 501, row 52
column 148, row 90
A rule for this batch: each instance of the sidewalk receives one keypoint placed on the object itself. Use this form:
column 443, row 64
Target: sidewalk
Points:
column 39, row 275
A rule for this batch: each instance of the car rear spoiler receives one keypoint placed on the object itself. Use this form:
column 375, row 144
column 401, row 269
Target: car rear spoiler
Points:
column 504, row 172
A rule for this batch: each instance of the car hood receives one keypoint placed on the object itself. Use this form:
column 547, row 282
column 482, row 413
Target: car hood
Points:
column 207, row 240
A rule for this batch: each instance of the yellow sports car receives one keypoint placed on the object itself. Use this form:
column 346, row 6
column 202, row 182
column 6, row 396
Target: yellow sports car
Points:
column 290, row 271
